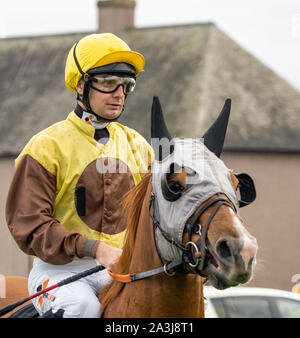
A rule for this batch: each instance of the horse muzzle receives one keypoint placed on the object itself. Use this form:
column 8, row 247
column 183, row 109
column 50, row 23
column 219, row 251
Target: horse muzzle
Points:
column 231, row 261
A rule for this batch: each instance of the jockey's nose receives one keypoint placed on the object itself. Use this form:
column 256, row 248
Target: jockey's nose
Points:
column 119, row 92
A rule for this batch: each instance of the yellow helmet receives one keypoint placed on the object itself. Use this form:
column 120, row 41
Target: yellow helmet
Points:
column 97, row 50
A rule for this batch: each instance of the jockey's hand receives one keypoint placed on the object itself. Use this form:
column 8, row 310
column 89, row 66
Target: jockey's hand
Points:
column 108, row 255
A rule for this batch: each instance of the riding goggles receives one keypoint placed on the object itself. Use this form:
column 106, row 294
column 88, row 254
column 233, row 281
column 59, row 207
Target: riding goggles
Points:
column 111, row 83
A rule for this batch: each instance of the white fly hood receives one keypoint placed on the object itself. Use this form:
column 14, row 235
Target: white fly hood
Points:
column 212, row 177
column 207, row 176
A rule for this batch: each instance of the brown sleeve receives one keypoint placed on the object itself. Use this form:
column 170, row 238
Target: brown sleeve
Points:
column 29, row 216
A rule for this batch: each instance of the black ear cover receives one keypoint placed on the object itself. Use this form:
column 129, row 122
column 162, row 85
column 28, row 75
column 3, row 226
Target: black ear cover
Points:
column 247, row 189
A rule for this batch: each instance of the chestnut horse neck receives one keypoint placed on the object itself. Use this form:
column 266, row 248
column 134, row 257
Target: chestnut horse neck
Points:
column 156, row 296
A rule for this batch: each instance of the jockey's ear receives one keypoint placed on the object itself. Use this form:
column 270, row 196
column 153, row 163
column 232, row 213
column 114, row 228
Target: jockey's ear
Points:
column 215, row 136
column 247, row 189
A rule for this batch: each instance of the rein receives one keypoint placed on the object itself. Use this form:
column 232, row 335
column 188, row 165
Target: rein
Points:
column 201, row 245
column 136, row 276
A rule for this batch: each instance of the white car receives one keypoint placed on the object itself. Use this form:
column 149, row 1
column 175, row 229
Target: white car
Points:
column 250, row 302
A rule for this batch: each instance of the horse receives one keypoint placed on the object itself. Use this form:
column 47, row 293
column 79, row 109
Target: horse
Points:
column 183, row 229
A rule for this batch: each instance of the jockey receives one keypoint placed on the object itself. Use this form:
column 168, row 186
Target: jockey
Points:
column 63, row 205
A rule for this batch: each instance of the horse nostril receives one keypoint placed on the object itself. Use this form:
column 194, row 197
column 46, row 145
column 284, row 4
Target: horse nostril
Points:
column 223, row 250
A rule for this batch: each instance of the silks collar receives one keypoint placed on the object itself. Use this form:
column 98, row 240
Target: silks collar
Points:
column 89, row 118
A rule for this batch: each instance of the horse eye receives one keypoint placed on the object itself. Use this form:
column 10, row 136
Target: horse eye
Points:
column 171, row 190
column 176, row 187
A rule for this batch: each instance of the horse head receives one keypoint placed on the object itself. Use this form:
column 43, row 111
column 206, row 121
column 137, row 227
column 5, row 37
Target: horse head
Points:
column 196, row 204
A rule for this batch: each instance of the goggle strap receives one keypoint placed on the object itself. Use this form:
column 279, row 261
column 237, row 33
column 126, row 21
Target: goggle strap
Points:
column 85, row 75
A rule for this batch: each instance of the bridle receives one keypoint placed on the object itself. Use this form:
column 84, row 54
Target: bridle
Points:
column 202, row 245
column 189, row 263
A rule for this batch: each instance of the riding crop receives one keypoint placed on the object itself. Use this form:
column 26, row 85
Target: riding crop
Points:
column 65, row 281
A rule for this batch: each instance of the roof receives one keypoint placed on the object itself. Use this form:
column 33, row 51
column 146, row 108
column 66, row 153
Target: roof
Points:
column 192, row 68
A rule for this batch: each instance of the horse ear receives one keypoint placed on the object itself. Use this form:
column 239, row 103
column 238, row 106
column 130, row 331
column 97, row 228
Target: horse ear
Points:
column 215, row 136
column 158, row 126
column 161, row 139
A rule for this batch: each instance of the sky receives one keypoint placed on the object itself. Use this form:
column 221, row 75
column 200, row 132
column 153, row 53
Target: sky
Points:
column 268, row 29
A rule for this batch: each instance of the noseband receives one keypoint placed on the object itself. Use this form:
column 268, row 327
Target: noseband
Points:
column 202, row 245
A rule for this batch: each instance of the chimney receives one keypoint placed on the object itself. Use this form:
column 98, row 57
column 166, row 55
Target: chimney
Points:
column 115, row 15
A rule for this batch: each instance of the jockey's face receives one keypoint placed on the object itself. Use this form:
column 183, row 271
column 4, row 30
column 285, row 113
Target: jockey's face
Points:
column 106, row 105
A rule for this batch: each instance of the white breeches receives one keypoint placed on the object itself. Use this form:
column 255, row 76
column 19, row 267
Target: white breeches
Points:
column 78, row 299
